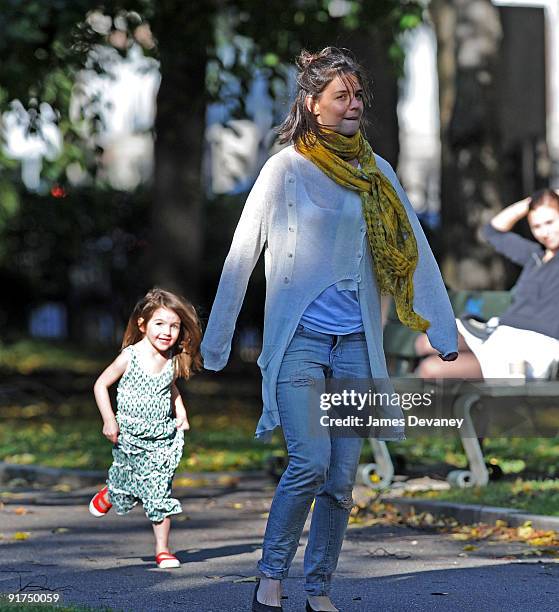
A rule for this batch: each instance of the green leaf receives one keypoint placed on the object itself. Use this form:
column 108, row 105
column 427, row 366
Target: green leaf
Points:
column 410, row 21
column 9, row 199
column 270, row 59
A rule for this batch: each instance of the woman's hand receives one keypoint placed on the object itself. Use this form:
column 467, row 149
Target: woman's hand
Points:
column 111, row 430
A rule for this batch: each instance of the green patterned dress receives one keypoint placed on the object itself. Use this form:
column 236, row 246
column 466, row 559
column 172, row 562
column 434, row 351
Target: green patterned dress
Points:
column 149, row 446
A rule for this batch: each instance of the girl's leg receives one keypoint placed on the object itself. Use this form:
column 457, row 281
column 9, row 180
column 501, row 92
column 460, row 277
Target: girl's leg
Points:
column 161, row 533
column 300, row 382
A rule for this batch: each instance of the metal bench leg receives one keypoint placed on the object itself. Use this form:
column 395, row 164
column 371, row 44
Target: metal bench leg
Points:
column 478, row 473
column 377, row 475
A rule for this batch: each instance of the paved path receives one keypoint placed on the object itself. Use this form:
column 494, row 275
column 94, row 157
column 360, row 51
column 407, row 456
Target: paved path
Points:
column 108, row 562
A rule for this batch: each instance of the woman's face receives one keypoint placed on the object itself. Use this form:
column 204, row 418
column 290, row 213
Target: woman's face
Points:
column 339, row 107
column 544, row 223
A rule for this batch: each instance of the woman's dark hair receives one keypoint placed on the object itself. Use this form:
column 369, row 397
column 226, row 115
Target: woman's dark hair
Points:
column 544, row 197
column 316, row 70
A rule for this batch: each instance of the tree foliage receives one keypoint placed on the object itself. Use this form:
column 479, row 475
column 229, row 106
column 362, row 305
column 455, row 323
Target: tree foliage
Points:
column 45, row 43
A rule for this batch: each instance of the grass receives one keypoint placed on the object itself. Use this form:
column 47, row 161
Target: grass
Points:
column 215, row 442
column 532, row 496
column 221, row 438
column 535, row 456
column 27, row 356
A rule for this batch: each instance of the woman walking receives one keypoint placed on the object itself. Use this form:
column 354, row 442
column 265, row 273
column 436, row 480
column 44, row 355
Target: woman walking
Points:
column 337, row 230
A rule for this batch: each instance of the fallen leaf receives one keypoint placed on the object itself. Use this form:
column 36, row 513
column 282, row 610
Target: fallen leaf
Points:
column 525, row 531
column 470, row 547
column 21, row 535
column 20, row 511
column 246, row 579
column 542, row 541
column 191, row 482
column 62, row 488
column 228, row 481
column 460, row 536
column 60, row 530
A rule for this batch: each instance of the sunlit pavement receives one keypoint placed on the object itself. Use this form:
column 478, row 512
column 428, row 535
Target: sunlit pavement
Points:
column 62, row 549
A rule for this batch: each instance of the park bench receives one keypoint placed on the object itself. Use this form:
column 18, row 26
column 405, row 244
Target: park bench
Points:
column 399, row 346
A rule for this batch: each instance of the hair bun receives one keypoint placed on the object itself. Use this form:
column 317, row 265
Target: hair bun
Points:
column 306, row 58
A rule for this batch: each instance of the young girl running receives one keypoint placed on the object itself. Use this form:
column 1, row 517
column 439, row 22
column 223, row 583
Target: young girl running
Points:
column 161, row 343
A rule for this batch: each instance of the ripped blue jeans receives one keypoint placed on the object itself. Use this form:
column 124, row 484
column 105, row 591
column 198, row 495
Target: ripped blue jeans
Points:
column 321, row 467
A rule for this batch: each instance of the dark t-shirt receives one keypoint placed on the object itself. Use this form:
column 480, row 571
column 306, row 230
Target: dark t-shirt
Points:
column 535, row 303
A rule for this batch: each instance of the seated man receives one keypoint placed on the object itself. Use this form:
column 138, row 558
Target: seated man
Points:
column 525, row 343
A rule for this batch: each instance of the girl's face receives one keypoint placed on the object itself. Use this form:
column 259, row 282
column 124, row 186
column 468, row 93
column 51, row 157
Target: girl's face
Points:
column 162, row 330
column 544, row 223
column 339, row 107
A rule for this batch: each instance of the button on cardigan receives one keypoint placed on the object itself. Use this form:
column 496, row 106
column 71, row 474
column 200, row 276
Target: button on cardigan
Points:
column 311, row 230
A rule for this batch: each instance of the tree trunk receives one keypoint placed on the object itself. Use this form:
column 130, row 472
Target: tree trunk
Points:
column 468, row 37
column 184, row 31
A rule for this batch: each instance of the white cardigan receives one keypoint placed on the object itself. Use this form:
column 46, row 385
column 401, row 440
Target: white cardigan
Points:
column 314, row 235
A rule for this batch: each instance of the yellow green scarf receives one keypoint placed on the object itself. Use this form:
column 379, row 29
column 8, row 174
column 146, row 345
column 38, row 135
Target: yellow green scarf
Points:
column 391, row 238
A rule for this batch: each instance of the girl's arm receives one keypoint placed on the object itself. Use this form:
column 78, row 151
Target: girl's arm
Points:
column 180, row 410
column 101, row 390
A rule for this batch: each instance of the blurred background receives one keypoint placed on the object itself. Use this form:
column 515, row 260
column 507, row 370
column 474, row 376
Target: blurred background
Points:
column 132, row 131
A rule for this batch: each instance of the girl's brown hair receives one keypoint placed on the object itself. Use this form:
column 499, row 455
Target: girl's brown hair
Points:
column 186, row 350
column 316, row 70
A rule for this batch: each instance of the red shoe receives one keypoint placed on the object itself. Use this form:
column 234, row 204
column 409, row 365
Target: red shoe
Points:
column 100, row 504
column 166, row 560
